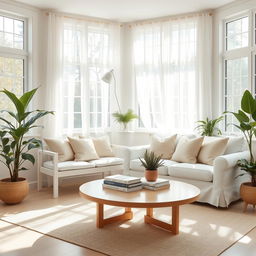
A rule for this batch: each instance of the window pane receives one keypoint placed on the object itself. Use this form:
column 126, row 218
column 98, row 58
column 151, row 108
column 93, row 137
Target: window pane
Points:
column 237, row 33
column 77, row 120
column 11, row 78
column 11, row 33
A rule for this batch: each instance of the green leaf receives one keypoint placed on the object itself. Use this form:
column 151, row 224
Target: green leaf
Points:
column 5, row 141
column 17, row 103
column 248, row 103
column 27, row 97
column 28, row 157
column 6, row 149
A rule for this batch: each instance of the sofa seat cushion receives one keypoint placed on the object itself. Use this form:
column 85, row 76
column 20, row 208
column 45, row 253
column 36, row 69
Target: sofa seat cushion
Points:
column 201, row 172
column 69, row 165
column 107, row 161
column 163, row 170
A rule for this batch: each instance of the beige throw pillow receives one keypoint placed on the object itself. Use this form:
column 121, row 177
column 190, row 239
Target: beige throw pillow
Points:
column 187, row 150
column 210, row 150
column 84, row 149
column 164, row 147
column 102, row 146
column 62, row 147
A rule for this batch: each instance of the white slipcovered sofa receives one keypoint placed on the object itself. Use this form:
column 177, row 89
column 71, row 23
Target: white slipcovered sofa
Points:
column 218, row 183
column 49, row 165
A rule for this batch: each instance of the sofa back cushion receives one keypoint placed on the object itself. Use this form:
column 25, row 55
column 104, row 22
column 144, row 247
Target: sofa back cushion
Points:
column 211, row 149
column 102, row 146
column 84, row 149
column 62, row 147
column 163, row 146
column 187, row 150
column 235, row 144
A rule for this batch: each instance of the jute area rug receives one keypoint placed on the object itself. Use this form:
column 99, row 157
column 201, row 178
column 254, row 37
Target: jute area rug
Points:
column 204, row 230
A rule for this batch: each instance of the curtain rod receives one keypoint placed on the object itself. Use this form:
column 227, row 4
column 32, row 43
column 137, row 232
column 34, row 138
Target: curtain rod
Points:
column 85, row 19
column 171, row 18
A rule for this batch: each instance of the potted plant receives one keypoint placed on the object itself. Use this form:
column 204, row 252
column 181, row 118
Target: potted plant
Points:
column 208, row 127
column 151, row 162
column 125, row 118
column 14, row 147
column 246, row 118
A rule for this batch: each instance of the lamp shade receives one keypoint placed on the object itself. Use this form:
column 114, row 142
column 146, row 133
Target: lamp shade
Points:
column 107, row 78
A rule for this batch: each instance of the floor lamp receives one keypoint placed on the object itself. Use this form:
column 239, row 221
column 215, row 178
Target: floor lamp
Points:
column 107, row 78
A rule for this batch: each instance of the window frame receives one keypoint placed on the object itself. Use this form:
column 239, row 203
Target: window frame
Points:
column 238, row 53
column 23, row 54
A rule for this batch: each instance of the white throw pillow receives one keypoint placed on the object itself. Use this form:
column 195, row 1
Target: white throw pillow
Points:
column 235, row 144
column 210, row 150
column 62, row 147
column 102, row 146
column 163, row 146
column 84, row 149
column 187, row 150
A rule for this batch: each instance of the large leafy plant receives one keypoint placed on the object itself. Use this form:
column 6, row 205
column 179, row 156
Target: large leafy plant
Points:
column 14, row 147
column 151, row 161
column 125, row 118
column 209, row 127
column 246, row 118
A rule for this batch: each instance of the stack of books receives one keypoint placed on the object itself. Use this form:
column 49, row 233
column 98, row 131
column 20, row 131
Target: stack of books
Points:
column 155, row 185
column 122, row 183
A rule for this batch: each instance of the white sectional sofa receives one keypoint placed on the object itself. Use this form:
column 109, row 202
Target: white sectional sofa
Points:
column 218, row 183
column 49, row 165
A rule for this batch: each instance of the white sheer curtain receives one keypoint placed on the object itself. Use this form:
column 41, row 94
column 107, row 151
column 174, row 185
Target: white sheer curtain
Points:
column 172, row 65
column 79, row 53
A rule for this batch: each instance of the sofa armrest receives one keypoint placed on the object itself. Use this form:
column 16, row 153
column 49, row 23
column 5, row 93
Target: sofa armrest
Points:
column 50, row 154
column 230, row 160
column 122, row 152
column 225, row 168
column 137, row 151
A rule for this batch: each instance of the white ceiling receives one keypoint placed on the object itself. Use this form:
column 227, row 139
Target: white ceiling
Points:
column 127, row 10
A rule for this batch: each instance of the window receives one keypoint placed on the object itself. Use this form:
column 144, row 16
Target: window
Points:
column 12, row 57
column 85, row 96
column 237, row 62
column 165, row 57
column 237, row 32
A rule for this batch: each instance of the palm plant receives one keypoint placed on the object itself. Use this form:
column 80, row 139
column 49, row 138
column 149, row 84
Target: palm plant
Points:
column 125, row 118
column 14, row 147
column 151, row 161
column 246, row 118
column 208, row 127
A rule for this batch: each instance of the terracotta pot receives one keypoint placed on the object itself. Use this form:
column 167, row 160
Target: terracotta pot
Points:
column 151, row 175
column 13, row 192
column 248, row 193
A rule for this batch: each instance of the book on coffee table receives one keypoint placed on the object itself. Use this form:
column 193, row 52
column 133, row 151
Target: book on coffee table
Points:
column 156, row 188
column 123, row 189
column 122, row 179
column 155, row 184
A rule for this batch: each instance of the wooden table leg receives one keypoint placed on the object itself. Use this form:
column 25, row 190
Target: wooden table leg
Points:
column 100, row 221
column 150, row 212
column 100, row 216
column 175, row 219
column 174, row 227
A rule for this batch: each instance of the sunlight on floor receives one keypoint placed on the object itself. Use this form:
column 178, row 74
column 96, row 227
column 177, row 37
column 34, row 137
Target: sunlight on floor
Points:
column 12, row 238
column 245, row 240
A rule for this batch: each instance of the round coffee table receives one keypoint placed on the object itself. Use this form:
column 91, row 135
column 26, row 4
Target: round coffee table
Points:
column 178, row 194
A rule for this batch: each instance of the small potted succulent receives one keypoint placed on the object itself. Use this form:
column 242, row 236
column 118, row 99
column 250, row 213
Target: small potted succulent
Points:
column 151, row 162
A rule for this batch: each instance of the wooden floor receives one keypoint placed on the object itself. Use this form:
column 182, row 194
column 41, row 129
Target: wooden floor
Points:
column 19, row 241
